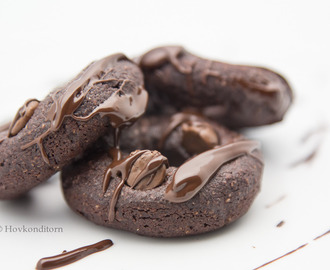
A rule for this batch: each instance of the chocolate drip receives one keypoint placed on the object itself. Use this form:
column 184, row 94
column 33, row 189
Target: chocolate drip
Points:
column 160, row 56
column 121, row 108
column 141, row 170
column 120, row 168
column 191, row 176
column 68, row 257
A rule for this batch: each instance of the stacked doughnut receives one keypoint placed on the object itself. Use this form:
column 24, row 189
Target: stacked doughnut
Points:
column 146, row 146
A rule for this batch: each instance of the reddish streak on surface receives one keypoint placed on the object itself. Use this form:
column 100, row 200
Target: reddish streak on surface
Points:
column 286, row 254
column 292, row 251
column 316, row 238
column 275, row 202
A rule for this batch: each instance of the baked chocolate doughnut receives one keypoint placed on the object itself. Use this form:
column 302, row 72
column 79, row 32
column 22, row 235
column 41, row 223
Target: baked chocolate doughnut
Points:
column 234, row 95
column 214, row 187
column 46, row 135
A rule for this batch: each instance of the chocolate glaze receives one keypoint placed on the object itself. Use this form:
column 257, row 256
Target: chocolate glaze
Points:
column 68, row 257
column 162, row 55
column 122, row 168
column 242, row 95
column 177, row 120
column 121, row 108
column 191, row 176
column 150, row 169
column 11, row 128
column 171, row 54
column 22, row 116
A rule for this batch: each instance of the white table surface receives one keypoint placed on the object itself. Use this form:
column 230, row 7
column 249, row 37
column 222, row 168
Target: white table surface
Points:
column 45, row 43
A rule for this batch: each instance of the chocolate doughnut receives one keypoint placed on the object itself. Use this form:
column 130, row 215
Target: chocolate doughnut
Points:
column 44, row 136
column 139, row 192
column 234, row 95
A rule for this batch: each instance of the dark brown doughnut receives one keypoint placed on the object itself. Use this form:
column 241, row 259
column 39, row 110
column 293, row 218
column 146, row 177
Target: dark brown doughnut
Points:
column 234, row 95
column 173, row 208
column 45, row 136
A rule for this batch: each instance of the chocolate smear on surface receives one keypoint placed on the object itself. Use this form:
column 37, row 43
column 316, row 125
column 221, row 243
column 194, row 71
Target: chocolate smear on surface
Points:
column 286, row 254
column 292, row 251
column 68, row 257
column 314, row 151
column 322, row 235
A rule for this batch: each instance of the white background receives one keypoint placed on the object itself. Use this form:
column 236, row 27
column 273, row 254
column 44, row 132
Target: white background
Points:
column 45, row 43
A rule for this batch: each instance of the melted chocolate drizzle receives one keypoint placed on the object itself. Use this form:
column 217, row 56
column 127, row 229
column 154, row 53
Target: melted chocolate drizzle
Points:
column 121, row 108
column 68, row 257
column 162, row 55
column 191, row 176
column 22, row 112
column 6, row 130
column 119, row 167
column 177, row 120
column 122, row 168
column 170, row 54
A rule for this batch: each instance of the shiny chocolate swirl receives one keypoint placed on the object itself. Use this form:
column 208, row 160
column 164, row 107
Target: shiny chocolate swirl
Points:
column 191, row 176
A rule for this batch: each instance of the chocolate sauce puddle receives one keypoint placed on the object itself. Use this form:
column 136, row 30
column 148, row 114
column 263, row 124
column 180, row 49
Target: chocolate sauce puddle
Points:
column 68, row 257
column 192, row 175
column 121, row 108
